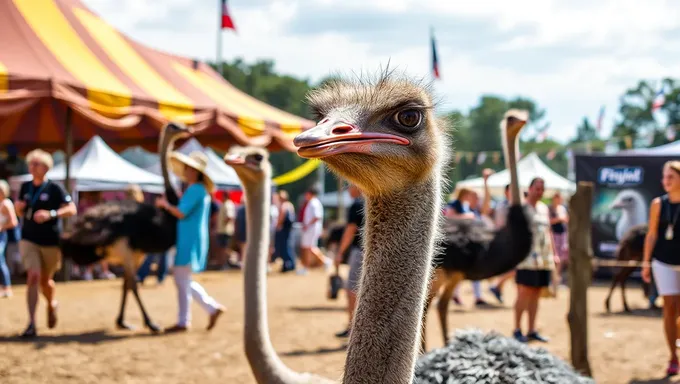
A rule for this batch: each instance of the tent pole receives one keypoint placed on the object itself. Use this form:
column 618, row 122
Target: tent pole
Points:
column 68, row 132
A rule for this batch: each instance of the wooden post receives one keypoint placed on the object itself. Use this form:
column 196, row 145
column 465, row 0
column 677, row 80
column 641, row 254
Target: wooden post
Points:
column 68, row 133
column 580, row 274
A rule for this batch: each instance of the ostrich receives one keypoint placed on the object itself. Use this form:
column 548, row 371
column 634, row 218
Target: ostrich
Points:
column 473, row 251
column 633, row 210
column 384, row 138
column 630, row 249
column 122, row 232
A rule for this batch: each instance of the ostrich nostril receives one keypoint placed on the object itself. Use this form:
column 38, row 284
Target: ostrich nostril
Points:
column 342, row 129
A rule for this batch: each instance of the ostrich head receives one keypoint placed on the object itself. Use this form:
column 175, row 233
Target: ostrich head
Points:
column 627, row 200
column 173, row 131
column 365, row 128
column 250, row 163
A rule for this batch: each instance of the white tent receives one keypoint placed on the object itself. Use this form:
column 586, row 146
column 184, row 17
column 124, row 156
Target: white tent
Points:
column 223, row 175
column 139, row 156
column 670, row 149
column 96, row 167
column 527, row 168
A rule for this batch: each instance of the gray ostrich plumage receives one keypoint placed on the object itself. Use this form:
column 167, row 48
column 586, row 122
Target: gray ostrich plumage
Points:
column 475, row 357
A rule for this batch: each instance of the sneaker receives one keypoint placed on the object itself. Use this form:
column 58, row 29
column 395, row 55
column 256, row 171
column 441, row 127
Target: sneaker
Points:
column 537, row 337
column 214, row 317
column 497, row 294
column 672, row 368
column 301, row 271
column 519, row 336
column 29, row 333
column 7, row 293
column 481, row 303
column 344, row 333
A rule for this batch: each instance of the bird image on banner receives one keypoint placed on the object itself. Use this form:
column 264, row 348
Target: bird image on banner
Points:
column 227, row 22
column 435, row 61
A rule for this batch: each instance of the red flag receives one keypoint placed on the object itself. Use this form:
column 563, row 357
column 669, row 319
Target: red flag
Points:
column 227, row 22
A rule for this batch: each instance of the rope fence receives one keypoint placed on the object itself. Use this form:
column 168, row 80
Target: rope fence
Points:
column 626, row 263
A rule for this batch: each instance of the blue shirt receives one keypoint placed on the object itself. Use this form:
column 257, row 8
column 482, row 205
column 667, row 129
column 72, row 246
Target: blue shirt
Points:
column 192, row 230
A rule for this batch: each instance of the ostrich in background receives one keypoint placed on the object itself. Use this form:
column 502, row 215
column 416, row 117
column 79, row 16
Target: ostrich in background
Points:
column 383, row 137
column 630, row 248
column 633, row 210
column 123, row 232
column 473, row 251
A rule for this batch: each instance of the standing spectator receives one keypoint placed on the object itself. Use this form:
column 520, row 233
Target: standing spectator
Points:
column 8, row 221
column 351, row 239
column 241, row 229
column 534, row 273
column 282, row 239
column 662, row 244
column 193, row 214
column 559, row 219
column 41, row 203
column 312, row 225
column 225, row 229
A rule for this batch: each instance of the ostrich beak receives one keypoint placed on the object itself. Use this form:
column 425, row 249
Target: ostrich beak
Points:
column 234, row 159
column 334, row 137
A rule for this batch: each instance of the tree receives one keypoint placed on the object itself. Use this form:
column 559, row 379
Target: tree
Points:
column 585, row 132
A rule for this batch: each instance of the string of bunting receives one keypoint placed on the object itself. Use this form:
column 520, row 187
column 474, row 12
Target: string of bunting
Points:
column 480, row 157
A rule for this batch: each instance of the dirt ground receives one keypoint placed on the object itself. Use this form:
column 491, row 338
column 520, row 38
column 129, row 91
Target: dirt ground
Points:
column 86, row 348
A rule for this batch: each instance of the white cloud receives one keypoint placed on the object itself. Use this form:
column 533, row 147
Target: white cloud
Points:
column 602, row 47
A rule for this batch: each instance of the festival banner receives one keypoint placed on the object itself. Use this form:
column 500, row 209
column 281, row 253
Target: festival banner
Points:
column 624, row 189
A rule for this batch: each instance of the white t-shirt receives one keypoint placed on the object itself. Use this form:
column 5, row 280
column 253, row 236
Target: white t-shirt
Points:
column 313, row 210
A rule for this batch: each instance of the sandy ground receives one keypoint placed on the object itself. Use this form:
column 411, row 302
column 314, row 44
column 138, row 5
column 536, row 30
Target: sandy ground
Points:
column 86, row 348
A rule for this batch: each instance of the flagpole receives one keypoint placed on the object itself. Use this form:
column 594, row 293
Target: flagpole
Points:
column 219, row 64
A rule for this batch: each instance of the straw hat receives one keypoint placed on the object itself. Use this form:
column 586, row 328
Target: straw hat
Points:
column 196, row 160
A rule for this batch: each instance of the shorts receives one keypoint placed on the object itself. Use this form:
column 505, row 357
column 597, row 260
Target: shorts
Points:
column 356, row 258
column 667, row 279
column 45, row 258
column 223, row 240
column 533, row 278
column 561, row 245
column 310, row 237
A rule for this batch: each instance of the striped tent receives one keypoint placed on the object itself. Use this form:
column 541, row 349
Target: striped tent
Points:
column 65, row 73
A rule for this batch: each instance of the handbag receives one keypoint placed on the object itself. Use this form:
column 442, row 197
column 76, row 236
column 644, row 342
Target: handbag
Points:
column 335, row 284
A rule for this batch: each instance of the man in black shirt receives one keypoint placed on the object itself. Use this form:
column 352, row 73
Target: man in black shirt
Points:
column 41, row 203
column 351, row 239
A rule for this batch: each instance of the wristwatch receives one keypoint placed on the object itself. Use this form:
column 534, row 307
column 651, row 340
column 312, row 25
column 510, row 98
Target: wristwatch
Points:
column 53, row 214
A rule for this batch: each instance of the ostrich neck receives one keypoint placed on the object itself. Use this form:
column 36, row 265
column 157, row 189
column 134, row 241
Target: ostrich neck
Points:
column 164, row 153
column 264, row 362
column 399, row 238
column 511, row 156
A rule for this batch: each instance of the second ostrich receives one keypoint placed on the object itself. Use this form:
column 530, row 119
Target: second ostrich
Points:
column 472, row 251
column 122, row 232
column 630, row 248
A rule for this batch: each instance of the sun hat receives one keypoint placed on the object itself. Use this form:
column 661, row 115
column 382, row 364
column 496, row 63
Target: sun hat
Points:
column 196, row 160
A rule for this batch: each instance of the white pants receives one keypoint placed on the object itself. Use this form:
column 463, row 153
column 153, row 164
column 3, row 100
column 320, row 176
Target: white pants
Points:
column 310, row 237
column 186, row 289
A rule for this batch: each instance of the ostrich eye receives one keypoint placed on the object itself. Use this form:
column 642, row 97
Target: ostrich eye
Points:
column 258, row 157
column 408, row 118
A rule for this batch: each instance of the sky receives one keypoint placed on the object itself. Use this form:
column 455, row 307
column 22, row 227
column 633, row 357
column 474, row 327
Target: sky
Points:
column 571, row 57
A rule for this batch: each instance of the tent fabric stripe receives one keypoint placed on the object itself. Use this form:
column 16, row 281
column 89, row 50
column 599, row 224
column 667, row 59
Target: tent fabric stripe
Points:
column 56, row 55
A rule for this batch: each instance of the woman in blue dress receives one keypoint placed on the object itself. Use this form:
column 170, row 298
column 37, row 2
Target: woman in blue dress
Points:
column 193, row 214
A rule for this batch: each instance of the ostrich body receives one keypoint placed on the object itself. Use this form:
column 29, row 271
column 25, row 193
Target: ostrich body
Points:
column 123, row 232
column 633, row 211
column 631, row 248
column 473, row 251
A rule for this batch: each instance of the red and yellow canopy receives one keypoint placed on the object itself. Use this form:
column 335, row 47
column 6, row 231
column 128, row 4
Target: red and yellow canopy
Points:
column 57, row 56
